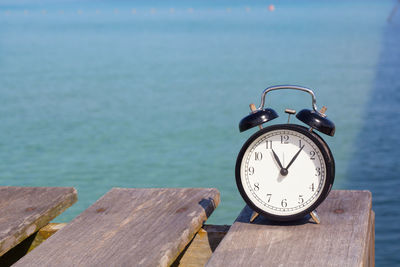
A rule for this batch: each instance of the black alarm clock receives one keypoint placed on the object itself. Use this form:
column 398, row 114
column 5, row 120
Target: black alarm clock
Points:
column 285, row 171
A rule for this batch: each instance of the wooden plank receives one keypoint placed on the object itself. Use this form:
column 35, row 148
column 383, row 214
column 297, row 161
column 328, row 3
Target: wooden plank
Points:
column 340, row 240
column 200, row 249
column 24, row 210
column 128, row 227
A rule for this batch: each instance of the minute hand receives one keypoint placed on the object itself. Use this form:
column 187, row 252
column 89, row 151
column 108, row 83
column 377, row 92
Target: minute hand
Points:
column 294, row 158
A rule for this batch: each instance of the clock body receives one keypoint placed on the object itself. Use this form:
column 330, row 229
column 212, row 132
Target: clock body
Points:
column 284, row 171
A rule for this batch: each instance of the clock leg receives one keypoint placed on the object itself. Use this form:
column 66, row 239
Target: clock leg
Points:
column 254, row 216
column 315, row 217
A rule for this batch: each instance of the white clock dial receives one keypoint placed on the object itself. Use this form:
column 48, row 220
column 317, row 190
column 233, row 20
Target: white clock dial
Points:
column 288, row 182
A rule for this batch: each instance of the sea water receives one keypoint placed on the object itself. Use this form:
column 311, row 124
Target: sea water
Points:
column 102, row 94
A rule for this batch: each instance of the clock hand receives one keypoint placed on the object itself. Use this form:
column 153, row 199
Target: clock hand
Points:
column 283, row 171
column 277, row 159
column 295, row 156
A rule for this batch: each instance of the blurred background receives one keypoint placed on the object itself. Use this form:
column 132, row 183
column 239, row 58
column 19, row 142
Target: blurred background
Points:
column 101, row 94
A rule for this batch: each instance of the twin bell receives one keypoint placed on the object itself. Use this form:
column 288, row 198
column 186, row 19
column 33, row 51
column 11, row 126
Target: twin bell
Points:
column 312, row 117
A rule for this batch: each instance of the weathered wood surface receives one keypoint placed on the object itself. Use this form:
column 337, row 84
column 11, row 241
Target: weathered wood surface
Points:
column 344, row 237
column 200, row 249
column 24, row 210
column 129, row 227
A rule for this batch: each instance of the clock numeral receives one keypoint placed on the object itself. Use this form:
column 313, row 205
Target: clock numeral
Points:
column 284, row 139
column 312, row 187
column 318, row 170
column 284, row 203
column 269, row 197
column 300, row 143
column 258, row 155
column 251, row 170
column 269, row 144
column 312, row 155
column 301, row 199
column 256, row 186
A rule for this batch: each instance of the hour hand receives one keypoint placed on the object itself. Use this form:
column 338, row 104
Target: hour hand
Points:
column 277, row 159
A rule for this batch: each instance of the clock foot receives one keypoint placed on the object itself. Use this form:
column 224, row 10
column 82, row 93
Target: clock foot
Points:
column 315, row 217
column 254, row 216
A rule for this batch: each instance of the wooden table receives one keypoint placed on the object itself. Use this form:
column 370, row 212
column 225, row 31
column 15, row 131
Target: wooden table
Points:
column 24, row 210
column 159, row 227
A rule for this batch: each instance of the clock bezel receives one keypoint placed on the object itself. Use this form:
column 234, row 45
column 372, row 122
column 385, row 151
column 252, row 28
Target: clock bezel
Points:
column 329, row 166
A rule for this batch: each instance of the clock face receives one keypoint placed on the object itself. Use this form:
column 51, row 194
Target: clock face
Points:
column 283, row 171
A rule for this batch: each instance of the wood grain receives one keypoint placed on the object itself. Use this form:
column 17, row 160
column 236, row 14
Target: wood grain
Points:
column 129, row 227
column 24, row 210
column 342, row 239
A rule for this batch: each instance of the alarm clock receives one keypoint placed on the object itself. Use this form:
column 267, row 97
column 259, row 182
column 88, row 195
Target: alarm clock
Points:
column 285, row 171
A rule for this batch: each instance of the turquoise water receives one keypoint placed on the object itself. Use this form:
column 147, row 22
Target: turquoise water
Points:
column 117, row 94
